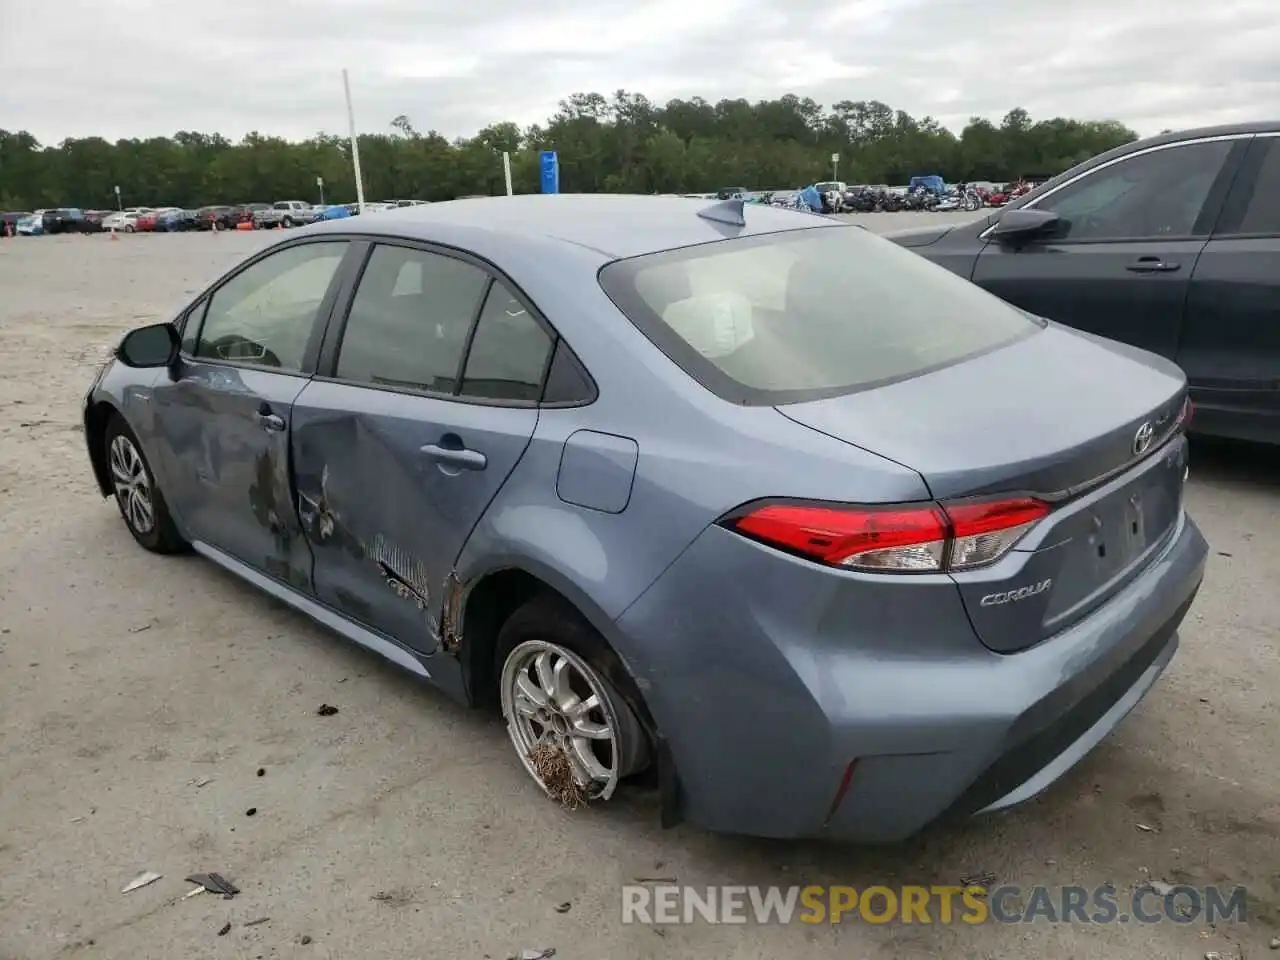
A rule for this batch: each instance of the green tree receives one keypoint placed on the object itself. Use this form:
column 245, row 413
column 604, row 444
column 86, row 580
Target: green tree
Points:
column 621, row 142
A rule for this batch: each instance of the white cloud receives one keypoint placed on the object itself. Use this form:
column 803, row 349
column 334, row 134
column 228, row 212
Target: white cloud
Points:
column 151, row 67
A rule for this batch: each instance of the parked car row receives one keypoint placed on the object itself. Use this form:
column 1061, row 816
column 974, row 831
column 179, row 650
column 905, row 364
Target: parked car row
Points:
column 283, row 214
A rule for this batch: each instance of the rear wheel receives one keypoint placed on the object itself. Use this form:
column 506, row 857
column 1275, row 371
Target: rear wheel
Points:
column 140, row 501
column 574, row 732
column 288, row 222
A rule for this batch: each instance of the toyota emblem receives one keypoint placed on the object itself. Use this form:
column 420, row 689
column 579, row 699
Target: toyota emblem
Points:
column 1142, row 439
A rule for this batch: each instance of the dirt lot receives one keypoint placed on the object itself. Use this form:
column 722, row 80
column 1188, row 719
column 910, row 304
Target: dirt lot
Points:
column 402, row 826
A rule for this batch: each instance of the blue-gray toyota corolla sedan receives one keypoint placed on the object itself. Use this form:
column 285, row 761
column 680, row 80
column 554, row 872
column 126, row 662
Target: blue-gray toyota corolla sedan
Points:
column 826, row 539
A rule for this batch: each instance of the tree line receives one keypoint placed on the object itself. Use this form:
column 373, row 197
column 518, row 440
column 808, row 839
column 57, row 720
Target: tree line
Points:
column 622, row 143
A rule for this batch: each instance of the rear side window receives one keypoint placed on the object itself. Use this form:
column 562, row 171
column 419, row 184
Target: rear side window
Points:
column 1254, row 207
column 509, row 351
column 806, row 314
column 410, row 319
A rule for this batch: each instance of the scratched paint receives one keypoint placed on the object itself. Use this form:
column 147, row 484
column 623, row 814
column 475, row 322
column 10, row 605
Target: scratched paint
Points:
column 405, row 575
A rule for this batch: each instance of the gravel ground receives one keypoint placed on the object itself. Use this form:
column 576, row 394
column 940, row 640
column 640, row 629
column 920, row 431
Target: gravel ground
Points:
column 402, row 826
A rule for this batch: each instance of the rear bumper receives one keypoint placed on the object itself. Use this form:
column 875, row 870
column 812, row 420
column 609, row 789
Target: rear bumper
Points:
column 767, row 681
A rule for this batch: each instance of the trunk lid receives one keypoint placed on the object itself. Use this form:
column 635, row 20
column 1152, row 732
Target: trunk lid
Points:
column 1056, row 415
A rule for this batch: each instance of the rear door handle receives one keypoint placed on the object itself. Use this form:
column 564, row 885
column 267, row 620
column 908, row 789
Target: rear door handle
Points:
column 1153, row 265
column 455, row 456
column 270, row 421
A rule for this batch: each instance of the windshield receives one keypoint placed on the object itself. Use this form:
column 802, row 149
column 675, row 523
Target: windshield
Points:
column 805, row 314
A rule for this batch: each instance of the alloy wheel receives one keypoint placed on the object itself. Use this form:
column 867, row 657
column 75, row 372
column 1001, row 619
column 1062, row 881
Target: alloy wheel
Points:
column 551, row 696
column 132, row 485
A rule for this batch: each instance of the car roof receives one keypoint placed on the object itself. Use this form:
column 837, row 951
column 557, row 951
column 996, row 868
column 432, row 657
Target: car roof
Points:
column 614, row 226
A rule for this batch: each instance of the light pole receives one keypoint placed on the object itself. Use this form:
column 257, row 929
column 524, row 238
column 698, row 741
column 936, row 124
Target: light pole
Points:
column 355, row 144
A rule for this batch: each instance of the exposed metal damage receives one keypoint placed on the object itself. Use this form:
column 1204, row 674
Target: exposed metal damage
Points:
column 403, row 572
column 450, row 620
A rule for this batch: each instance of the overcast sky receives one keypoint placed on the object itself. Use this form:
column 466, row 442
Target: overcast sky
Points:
column 123, row 68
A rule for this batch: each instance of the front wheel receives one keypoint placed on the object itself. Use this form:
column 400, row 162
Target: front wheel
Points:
column 140, row 501
column 574, row 732
column 128, row 228
column 288, row 222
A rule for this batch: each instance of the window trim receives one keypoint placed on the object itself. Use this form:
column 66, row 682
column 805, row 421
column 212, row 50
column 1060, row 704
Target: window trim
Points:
column 319, row 324
column 1209, row 209
column 327, row 360
column 1243, row 188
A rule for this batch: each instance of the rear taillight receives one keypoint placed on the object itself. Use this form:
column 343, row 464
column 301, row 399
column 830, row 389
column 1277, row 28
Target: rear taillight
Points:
column 916, row 538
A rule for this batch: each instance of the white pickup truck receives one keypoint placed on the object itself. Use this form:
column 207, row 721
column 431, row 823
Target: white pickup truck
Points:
column 287, row 213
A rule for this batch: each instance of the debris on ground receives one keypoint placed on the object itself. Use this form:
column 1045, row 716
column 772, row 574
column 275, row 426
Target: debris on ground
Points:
column 201, row 782
column 141, row 880
column 262, row 771
column 327, row 710
column 254, row 923
column 214, row 883
column 654, row 880
column 553, row 768
column 564, row 907
column 1275, row 943
column 304, row 940
column 224, row 930
column 1159, row 887
column 978, row 880
column 529, row 953
column 251, row 812
column 1146, row 829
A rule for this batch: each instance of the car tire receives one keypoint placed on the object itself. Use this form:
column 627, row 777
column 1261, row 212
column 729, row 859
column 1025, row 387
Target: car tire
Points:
column 136, row 493
column 128, row 228
column 287, row 222
column 557, row 677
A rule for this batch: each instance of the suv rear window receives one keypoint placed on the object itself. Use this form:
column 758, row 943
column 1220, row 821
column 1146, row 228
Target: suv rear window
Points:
column 805, row 314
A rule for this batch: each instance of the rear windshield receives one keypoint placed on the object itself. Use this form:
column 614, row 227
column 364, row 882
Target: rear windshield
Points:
column 805, row 314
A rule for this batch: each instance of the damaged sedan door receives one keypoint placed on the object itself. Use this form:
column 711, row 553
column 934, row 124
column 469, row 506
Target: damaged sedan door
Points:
column 225, row 412
column 401, row 441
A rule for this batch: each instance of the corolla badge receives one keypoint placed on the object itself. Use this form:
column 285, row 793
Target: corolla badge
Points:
column 1142, row 439
column 1013, row 596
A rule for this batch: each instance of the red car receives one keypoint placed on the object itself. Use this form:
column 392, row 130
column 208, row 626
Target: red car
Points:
column 146, row 222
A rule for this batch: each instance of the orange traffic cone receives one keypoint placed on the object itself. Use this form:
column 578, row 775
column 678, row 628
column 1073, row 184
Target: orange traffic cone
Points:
column 279, row 226
column 113, row 234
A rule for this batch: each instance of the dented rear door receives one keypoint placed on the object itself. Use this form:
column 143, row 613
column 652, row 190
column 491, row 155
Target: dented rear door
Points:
column 386, row 518
column 422, row 410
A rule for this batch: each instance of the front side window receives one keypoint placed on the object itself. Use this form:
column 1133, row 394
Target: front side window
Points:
column 807, row 313
column 1153, row 195
column 265, row 314
column 409, row 320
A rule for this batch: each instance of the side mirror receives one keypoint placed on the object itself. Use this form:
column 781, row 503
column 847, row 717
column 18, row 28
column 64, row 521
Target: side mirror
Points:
column 153, row 346
column 1023, row 226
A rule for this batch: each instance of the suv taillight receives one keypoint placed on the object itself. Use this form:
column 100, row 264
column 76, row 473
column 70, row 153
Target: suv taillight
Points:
column 913, row 538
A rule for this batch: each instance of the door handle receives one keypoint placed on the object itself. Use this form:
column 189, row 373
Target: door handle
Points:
column 455, row 456
column 1153, row 265
column 269, row 421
